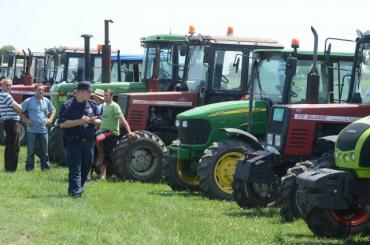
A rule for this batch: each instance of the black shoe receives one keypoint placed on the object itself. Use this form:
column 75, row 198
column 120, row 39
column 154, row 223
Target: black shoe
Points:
column 78, row 195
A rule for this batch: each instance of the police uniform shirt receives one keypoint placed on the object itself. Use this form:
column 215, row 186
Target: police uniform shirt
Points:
column 73, row 110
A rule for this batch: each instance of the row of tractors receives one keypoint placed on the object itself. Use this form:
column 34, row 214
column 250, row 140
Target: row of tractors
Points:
column 238, row 118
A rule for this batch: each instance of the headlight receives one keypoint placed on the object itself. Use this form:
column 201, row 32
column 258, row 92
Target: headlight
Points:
column 184, row 124
column 277, row 140
column 353, row 156
column 346, row 158
column 177, row 123
column 269, row 139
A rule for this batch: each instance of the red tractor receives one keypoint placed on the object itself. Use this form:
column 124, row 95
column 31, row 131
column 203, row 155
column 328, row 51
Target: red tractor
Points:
column 216, row 69
column 296, row 133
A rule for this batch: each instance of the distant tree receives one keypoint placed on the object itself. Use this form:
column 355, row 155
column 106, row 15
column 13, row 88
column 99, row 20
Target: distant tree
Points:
column 4, row 50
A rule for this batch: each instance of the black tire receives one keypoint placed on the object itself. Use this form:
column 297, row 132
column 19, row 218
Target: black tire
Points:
column 325, row 223
column 217, row 167
column 56, row 147
column 147, row 146
column 22, row 133
column 287, row 192
column 178, row 175
column 247, row 195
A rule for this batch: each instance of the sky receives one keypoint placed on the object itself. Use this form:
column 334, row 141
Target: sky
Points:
column 40, row 24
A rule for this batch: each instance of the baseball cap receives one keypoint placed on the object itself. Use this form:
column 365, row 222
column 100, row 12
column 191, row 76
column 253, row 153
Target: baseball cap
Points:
column 85, row 85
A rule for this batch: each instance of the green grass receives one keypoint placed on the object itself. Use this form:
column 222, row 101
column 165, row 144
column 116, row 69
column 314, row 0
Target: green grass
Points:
column 35, row 209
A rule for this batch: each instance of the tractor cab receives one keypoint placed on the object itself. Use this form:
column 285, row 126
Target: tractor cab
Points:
column 164, row 59
column 218, row 67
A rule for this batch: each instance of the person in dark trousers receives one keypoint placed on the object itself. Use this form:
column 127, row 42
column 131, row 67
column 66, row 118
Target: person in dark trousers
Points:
column 41, row 114
column 78, row 117
column 9, row 112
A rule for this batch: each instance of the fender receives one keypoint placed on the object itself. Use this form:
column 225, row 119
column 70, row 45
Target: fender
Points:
column 245, row 136
column 256, row 167
column 330, row 138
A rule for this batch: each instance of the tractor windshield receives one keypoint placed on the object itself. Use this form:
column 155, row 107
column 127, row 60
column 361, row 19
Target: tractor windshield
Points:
column 197, row 69
column 164, row 64
column 363, row 81
column 270, row 79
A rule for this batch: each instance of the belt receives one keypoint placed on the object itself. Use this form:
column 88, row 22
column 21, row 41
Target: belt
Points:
column 79, row 139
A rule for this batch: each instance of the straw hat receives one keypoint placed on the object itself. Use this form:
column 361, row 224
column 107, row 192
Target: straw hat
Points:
column 98, row 93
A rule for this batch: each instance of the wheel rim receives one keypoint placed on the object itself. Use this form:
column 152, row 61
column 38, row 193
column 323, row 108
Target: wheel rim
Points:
column 142, row 161
column 185, row 174
column 353, row 216
column 225, row 169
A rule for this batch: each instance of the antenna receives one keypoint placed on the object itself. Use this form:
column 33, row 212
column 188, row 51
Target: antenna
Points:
column 170, row 14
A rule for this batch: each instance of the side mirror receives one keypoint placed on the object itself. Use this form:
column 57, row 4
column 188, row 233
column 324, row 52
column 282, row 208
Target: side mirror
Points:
column 207, row 55
column 291, row 66
column 236, row 64
column 10, row 60
column 183, row 51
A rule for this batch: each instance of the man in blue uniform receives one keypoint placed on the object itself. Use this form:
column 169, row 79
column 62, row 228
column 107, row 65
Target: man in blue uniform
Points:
column 78, row 118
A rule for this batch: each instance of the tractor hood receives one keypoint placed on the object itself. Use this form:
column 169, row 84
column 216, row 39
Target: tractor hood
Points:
column 231, row 114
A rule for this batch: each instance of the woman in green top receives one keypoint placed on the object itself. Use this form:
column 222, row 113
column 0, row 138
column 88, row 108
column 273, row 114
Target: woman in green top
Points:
column 110, row 128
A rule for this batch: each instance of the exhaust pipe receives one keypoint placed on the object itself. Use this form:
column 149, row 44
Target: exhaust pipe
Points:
column 87, row 71
column 106, row 54
column 313, row 77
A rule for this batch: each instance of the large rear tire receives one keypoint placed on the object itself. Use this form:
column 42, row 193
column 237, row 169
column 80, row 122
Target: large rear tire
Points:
column 337, row 223
column 178, row 175
column 254, row 195
column 217, row 167
column 287, row 192
column 56, row 147
column 139, row 159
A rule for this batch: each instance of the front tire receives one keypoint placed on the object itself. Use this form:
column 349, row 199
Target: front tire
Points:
column 139, row 159
column 217, row 167
column 337, row 223
column 287, row 192
column 254, row 195
column 56, row 146
column 178, row 175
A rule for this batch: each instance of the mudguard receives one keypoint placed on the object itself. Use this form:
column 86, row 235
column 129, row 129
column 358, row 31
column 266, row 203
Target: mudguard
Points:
column 245, row 136
column 324, row 188
column 256, row 168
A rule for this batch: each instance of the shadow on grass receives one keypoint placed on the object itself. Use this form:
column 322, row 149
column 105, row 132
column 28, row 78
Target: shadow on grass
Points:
column 265, row 212
column 176, row 194
column 50, row 195
column 328, row 241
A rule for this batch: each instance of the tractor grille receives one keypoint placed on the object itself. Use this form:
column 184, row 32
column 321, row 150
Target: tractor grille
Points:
column 298, row 138
column 122, row 102
column 276, row 127
column 365, row 156
column 197, row 132
column 135, row 118
column 348, row 138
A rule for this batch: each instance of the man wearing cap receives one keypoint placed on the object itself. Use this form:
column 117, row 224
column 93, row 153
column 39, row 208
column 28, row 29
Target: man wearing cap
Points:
column 78, row 117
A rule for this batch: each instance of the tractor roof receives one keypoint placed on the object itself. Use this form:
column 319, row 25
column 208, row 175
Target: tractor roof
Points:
column 128, row 57
column 172, row 38
column 234, row 40
column 304, row 52
column 64, row 49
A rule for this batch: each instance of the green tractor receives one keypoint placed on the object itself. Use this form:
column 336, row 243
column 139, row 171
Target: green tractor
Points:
column 163, row 54
column 334, row 201
column 205, row 155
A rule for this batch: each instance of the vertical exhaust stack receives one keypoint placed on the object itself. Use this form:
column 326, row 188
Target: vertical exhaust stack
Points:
column 87, row 70
column 313, row 77
column 119, row 66
column 106, row 54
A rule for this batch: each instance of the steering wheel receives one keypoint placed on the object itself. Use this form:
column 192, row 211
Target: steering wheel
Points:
column 293, row 94
column 224, row 79
column 69, row 76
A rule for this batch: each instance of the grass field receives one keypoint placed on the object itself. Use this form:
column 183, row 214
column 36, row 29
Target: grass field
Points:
column 35, row 209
